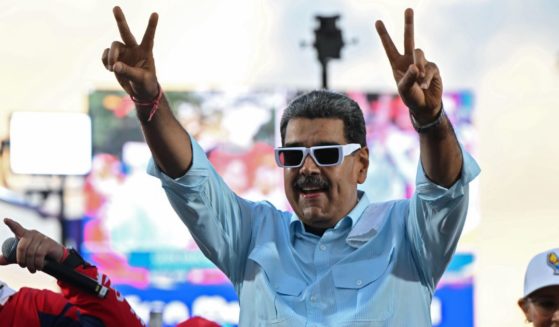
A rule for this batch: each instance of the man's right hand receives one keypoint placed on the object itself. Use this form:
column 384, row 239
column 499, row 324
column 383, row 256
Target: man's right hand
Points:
column 134, row 69
column 131, row 62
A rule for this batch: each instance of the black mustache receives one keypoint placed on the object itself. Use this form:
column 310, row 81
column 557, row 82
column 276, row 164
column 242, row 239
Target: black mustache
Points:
column 311, row 181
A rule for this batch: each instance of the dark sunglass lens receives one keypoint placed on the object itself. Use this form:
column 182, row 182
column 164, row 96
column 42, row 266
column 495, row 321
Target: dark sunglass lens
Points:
column 328, row 156
column 291, row 157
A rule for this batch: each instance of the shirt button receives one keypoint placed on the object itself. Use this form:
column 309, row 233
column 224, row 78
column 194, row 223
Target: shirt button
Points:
column 359, row 282
column 313, row 298
column 323, row 247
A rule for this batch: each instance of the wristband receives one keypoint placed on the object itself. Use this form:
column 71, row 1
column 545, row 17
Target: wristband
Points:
column 154, row 104
column 425, row 128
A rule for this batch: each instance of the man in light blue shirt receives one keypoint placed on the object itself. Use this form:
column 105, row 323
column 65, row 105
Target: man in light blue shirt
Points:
column 339, row 260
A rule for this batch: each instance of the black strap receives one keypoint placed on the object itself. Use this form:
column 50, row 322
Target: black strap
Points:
column 73, row 259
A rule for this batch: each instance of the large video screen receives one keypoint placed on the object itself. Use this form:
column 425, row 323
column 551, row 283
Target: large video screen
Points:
column 132, row 234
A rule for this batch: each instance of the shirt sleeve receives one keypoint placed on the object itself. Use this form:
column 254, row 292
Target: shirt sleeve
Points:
column 220, row 222
column 112, row 310
column 436, row 219
column 34, row 307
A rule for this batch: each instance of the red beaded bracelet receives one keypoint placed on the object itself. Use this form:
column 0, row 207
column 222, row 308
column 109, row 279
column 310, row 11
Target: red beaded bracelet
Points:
column 154, row 104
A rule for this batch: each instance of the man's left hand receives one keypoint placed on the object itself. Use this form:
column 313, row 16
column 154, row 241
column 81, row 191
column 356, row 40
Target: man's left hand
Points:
column 419, row 82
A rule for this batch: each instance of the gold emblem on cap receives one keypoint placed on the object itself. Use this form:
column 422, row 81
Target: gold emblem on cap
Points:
column 553, row 262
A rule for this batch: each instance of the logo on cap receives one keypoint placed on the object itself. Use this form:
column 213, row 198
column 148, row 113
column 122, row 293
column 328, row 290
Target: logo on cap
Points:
column 553, row 262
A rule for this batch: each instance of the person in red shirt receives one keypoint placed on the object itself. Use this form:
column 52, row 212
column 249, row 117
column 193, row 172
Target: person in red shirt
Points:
column 30, row 307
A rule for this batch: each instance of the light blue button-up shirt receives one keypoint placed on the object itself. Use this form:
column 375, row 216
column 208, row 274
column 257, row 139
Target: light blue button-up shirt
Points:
column 378, row 266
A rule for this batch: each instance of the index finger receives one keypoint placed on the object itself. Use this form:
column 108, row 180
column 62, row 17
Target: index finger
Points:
column 15, row 227
column 409, row 43
column 149, row 35
column 123, row 28
column 389, row 47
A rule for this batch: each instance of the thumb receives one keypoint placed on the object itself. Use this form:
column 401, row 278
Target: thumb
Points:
column 134, row 74
column 15, row 227
column 408, row 80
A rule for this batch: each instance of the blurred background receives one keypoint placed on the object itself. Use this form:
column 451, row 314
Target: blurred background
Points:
column 224, row 61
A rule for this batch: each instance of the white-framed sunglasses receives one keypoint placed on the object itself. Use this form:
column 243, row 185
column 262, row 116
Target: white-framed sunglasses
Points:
column 323, row 155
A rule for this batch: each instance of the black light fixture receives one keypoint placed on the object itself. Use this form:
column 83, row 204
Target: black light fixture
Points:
column 328, row 43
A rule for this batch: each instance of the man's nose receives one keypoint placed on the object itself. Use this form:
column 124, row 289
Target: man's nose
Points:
column 309, row 166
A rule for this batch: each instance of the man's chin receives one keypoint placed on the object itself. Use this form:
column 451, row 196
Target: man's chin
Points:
column 312, row 214
column 315, row 218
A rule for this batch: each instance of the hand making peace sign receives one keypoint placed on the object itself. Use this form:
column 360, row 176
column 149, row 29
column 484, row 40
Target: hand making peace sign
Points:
column 131, row 62
column 419, row 82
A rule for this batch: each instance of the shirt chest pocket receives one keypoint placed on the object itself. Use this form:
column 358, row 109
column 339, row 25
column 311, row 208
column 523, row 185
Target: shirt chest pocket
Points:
column 366, row 287
column 280, row 275
column 279, row 290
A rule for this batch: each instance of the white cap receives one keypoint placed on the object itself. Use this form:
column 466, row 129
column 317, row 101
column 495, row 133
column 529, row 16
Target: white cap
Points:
column 543, row 271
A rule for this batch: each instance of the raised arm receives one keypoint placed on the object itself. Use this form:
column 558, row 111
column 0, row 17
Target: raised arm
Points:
column 420, row 87
column 134, row 68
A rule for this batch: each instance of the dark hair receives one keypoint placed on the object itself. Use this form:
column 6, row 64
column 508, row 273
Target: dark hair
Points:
column 327, row 104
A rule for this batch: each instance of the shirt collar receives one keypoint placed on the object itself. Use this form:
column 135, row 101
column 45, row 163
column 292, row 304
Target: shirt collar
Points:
column 5, row 293
column 357, row 211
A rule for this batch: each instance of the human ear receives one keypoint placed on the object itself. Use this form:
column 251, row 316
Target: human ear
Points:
column 362, row 164
column 523, row 304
